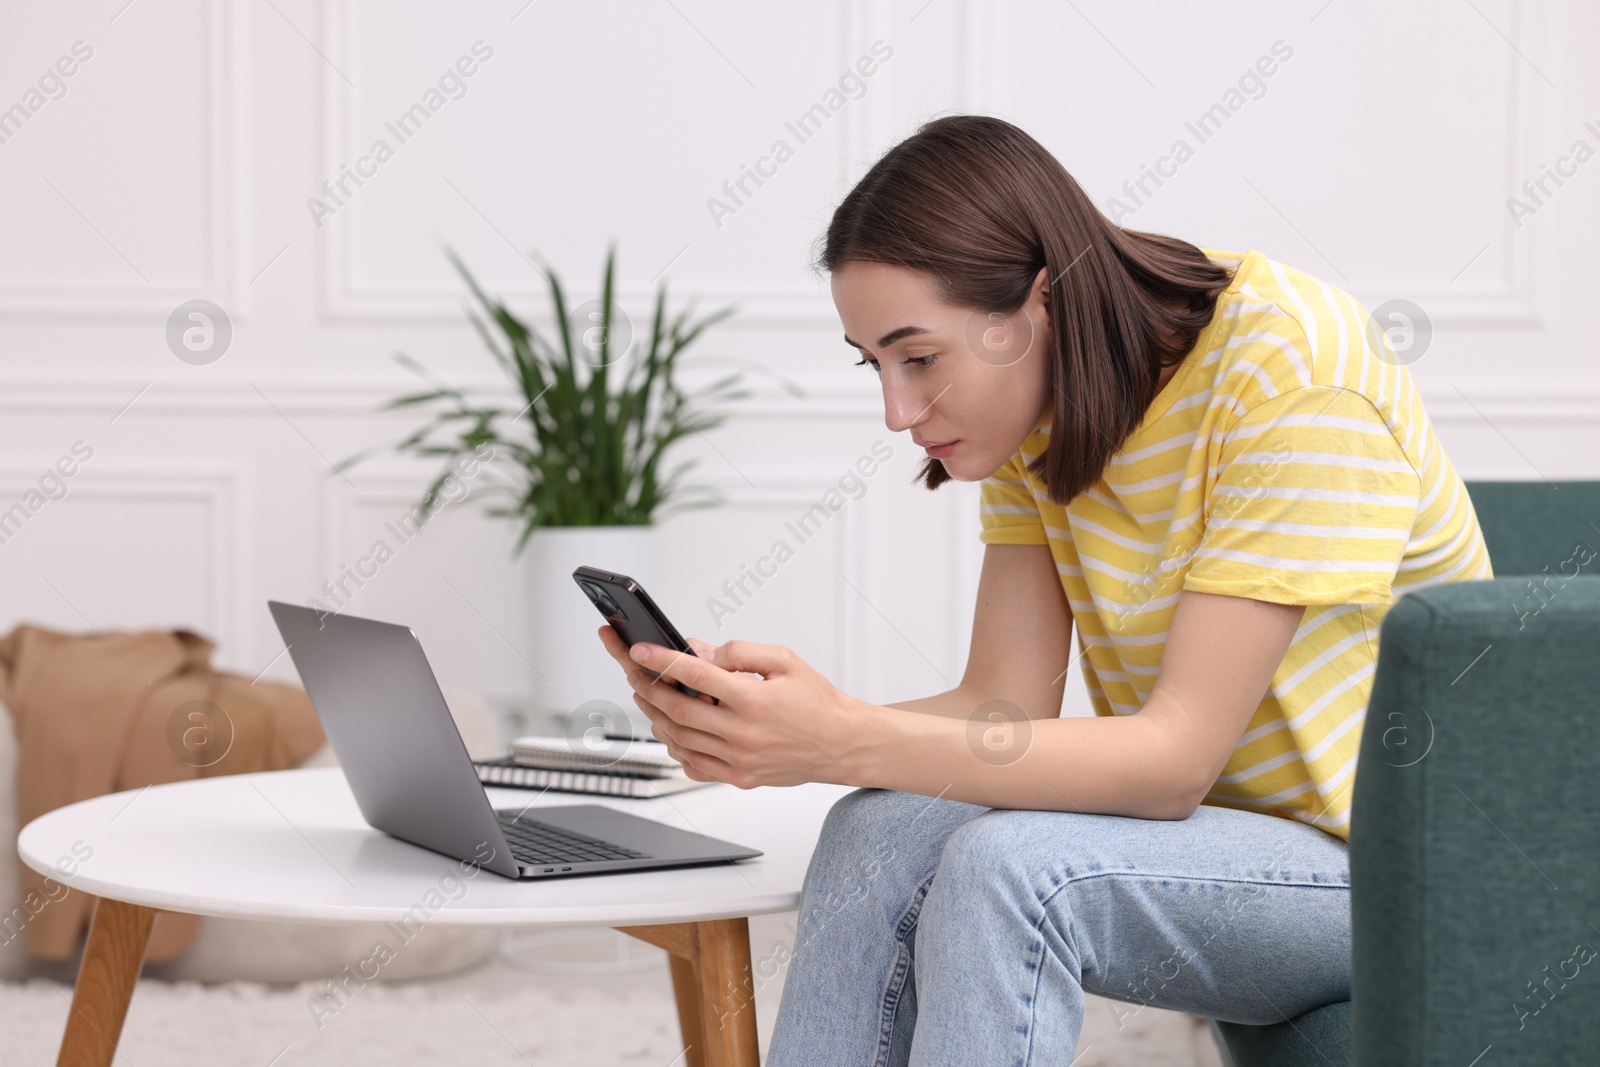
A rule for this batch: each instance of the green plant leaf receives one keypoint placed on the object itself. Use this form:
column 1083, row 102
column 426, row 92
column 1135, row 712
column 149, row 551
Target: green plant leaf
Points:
column 584, row 443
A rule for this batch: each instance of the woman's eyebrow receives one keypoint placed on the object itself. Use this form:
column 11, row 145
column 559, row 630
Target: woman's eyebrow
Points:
column 892, row 336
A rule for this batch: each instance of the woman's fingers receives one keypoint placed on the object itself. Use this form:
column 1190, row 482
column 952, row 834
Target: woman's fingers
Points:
column 686, row 744
column 616, row 647
column 699, row 766
column 703, row 650
column 682, row 732
column 754, row 657
column 618, row 650
column 701, row 712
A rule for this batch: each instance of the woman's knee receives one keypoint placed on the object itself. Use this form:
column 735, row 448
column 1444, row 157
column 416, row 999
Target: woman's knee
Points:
column 1017, row 851
column 861, row 814
column 857, row 835
column 868, row 821
column 883, row 841
column 870, row 862
column 982, row 857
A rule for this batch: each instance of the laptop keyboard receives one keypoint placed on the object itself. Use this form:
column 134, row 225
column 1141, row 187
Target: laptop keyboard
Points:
column 540, row 843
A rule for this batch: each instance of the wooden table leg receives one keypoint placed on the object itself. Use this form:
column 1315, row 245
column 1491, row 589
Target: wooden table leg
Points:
column 112, row 958
column 686, row 990
column 713, row 981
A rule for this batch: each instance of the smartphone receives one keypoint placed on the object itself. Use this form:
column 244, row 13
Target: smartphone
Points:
column 630, row 611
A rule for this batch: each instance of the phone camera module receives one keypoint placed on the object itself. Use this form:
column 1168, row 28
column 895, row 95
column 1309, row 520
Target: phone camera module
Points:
column 603, row 601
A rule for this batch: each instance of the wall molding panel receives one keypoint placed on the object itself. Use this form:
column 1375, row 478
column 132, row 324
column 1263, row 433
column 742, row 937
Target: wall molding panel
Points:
column 224, row 66
column 224, row 489
column 346, row 297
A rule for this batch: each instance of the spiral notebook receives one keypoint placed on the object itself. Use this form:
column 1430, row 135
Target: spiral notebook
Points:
column 508, row 772
column 612, row 754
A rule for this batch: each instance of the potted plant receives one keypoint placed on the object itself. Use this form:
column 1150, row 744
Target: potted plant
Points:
column 583, row 440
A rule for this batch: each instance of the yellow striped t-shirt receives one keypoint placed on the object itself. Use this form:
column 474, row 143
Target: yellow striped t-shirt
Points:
column 1287, row 459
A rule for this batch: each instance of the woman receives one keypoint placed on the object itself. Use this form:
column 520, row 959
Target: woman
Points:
column 1214, row 468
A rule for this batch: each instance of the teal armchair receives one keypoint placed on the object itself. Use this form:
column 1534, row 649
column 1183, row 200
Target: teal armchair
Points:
column 1475, row 825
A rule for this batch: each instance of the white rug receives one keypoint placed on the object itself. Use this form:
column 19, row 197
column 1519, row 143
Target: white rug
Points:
column 453, row 1021
column 491, row 1016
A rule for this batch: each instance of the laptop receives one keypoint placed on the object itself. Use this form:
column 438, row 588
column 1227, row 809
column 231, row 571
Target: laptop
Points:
column 388, row 723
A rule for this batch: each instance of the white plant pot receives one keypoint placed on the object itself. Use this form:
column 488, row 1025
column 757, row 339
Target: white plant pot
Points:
column 573, row 667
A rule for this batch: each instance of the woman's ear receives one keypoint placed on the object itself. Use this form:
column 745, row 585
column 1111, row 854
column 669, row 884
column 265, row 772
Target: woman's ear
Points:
column 1041, row 283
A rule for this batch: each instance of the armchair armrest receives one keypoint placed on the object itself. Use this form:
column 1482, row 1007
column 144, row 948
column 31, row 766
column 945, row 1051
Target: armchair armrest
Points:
column 1475, row 829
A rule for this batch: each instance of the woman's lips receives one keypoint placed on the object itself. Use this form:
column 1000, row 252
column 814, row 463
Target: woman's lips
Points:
column 941, row 451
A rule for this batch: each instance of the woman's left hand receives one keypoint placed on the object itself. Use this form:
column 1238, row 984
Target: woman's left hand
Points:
column 781, row 723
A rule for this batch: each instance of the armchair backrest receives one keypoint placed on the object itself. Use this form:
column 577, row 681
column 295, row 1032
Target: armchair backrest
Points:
column 1531, row 526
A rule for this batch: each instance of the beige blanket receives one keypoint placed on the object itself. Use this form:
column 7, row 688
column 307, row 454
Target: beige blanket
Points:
column 95, row 714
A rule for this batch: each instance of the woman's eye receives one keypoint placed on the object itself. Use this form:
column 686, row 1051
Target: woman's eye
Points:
column 921, row 361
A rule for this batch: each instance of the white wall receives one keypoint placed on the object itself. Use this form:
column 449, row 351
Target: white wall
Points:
column 179, row 162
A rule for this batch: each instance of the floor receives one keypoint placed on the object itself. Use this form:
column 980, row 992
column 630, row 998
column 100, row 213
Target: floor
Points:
column 586, row 997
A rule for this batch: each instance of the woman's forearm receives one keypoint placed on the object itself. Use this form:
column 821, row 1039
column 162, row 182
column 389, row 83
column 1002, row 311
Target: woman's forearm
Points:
column 965, row 702
column 1111, row 765
column 955, row 703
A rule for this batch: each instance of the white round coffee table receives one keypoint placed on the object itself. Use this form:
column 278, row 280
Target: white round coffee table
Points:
column 292, row 845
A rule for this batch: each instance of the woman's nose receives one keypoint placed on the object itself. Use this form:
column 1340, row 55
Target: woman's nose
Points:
column 903, row 408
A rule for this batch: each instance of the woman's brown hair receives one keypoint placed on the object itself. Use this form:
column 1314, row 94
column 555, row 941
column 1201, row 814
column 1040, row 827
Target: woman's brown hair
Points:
column 981, row 206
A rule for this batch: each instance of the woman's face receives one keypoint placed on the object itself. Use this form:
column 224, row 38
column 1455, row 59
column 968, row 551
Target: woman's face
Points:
column 949, row 373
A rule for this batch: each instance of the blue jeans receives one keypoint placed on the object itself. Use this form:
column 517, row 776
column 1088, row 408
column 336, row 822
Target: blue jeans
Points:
column 937, row 932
